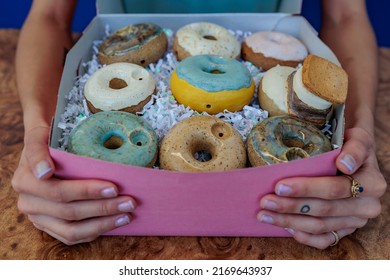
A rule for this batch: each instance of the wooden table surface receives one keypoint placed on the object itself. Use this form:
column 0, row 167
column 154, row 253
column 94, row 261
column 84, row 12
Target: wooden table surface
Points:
column 20, row 240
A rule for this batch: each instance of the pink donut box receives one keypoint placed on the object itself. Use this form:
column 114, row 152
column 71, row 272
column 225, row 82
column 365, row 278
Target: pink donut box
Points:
column 192, row 204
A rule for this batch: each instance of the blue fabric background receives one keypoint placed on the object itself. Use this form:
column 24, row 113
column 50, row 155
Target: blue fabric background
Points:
column 13, row 13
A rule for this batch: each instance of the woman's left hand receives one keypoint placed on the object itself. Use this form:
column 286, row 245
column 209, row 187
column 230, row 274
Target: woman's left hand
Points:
column 319, row 211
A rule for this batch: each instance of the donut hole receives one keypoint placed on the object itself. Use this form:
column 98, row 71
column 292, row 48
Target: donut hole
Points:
column 139, row 138
column 117, row 83
column 296, row 153
column 293, row 142
column 213, row 71
column 221, row 130
column 209, row 37
column 203, row 155
column 201, row 148
column 113, row 141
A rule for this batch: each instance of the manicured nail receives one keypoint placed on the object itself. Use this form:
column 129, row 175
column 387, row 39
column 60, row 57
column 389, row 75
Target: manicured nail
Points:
column 122, row 220
column 283, row 190
column 270, row 205
column 290, row 230
column 42, row 168
column 126, row 206
column 109, row 192
column 266, row 219
column 349, row 162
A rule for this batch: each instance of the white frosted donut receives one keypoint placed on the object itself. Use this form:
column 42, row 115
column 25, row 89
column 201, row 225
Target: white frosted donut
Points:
column 205, row 38
column 272, row 90
column 119, row 86
column 267, row 49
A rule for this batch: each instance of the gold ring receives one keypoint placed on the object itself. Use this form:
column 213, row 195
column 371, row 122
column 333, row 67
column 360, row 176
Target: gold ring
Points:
column 356, row 187
column 337, row 238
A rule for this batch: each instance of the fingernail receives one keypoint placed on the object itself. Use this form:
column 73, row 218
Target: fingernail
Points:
column 122, row 220
column 283, row 190
column 266, row 219
column 270, row 205
column 126, row 206
column 349, row 162
column 109, row 192
column 290, row 230
column 42, row 168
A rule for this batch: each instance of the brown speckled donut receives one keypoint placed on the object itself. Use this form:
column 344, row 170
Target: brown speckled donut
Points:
column 220, row 144
column 141, row 44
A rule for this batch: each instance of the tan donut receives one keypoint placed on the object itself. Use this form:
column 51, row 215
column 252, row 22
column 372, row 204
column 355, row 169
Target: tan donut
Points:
column 205, row 38
column 141, row 44
column 202, row 135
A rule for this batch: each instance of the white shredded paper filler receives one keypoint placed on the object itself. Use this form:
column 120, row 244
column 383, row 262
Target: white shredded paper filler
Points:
column 162, row 111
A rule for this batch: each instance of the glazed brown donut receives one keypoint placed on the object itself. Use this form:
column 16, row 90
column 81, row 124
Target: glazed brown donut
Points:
column 202, row 135
column 266, row 49
column 141, row 44
column 285, row 138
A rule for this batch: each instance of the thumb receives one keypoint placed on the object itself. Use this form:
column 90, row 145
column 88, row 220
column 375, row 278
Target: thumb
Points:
column 355, row 150
column 37, row 152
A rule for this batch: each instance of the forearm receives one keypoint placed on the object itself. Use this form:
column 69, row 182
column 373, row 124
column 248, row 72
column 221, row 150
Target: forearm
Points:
column 39, row 62
column 353, row 41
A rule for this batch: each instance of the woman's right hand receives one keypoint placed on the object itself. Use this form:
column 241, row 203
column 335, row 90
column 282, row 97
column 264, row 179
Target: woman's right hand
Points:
column 72, row 211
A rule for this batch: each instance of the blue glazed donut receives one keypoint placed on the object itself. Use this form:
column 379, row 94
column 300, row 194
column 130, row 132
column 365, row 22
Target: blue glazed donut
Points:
column 115, row 136
column 212, row 84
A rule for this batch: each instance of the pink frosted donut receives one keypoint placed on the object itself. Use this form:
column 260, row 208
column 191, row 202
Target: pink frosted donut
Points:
column 267, row 49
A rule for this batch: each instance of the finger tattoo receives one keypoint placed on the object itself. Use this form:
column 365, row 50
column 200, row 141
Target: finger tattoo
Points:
column 305, row 209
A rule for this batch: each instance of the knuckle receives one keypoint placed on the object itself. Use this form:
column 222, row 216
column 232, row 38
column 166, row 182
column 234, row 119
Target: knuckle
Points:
column 336, row 192
column 104, row 209
column 15, row 182
column 374, row 210
column 69, row 213
column 382, row 186
column 23, row 205
column 325, row 210
column 320, row 227
column 71, row 236
column 362, row 223
column 57, row 193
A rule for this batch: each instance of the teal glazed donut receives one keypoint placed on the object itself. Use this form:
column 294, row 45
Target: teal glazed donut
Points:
column 117, row 137
column 196, row 70
column 284, row 138
column 212, row 84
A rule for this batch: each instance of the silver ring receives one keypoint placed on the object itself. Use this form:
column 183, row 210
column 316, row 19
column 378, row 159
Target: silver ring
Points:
column 336, row 238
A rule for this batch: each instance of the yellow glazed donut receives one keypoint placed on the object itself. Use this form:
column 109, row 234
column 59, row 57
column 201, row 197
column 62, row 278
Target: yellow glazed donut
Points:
column 284, row 138
column 207, row 135
column 212, row 84
column 267, row 49
column 119, row 87
column 205, row 38
column 141, row 43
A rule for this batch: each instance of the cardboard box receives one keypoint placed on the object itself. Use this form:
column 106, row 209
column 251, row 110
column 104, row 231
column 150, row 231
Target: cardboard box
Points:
column 192, row 204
